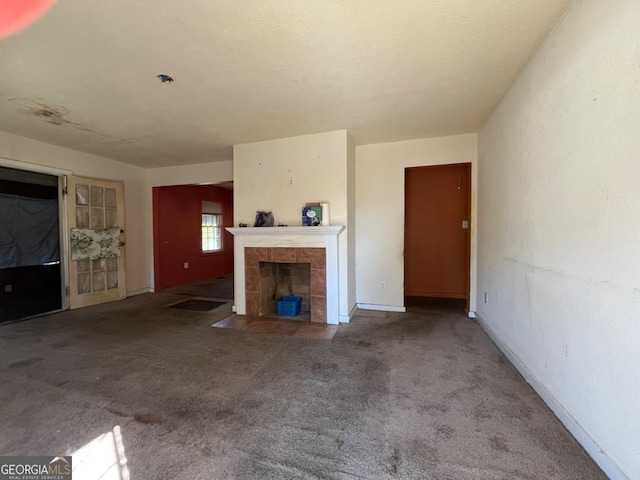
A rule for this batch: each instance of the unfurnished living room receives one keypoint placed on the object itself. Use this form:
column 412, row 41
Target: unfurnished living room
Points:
column 337, row 239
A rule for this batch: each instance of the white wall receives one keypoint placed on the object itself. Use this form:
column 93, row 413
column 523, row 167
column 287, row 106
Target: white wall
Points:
column 380, row 210
column 318, row 165
column 559, row 226
column 351, row 221
column 139, row 257
column 201, row 173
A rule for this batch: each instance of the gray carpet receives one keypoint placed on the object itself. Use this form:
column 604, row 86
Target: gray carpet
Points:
column 217, row 288
column 417, row 395
column 197, row 305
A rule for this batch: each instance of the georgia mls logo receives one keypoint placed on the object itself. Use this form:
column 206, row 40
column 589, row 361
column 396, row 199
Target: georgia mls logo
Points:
column 35, row 468
column 62, row 462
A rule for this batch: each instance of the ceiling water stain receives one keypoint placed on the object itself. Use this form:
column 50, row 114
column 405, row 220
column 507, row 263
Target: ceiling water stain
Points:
column 52, row 114
column 57, row 115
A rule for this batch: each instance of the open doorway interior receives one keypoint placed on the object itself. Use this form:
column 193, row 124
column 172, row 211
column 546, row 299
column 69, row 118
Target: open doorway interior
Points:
column 30, row 268
column 190, row 240
column 437, row 237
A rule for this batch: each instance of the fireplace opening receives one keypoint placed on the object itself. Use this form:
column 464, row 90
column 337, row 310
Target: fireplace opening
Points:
column 285, row 279
column 271, row 272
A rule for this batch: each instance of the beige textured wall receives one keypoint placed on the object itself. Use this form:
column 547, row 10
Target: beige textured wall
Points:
column 558, row 249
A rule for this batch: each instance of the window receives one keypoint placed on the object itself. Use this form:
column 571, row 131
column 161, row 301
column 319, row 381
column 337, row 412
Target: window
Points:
column 211, row 232
column 211, row 226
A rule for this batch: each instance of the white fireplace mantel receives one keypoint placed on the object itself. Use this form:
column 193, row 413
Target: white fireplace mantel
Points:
column 292, row 237
column 286, row 231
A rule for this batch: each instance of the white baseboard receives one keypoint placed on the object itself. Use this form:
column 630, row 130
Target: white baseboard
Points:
column 234, row 308
column 347, row 318
column 133, row 293
column 472, row 314
column 609, row 467
column 381, row 308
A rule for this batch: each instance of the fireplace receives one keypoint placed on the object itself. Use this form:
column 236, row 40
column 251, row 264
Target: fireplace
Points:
column 266, row 254
column 271, row 272
column 278, row 280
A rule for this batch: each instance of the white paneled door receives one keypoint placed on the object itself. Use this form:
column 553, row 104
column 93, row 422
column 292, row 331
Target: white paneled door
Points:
column 95, row 218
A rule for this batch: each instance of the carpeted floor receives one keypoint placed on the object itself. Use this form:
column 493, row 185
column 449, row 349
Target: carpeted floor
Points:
column 418, row 395
column 220, row 288
column 197, row 305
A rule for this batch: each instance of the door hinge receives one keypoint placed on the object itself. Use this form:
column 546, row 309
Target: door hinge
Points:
column 65, row 190
column 68, row 290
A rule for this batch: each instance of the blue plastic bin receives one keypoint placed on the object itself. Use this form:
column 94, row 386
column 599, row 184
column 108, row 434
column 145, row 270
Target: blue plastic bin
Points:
column 289, row 306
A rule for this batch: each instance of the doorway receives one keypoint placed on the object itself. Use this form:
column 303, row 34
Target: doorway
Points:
column 95, row 219
column 437, row 232
column 30, row 253
column 189, row 236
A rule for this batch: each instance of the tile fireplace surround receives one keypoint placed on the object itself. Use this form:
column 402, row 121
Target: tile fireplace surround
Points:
column 317, row 246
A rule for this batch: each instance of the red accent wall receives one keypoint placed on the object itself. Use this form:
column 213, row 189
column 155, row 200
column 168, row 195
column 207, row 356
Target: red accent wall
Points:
column 177, row 236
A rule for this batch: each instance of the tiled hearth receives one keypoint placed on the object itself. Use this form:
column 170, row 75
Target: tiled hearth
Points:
column 261, row 264
column 316, row 247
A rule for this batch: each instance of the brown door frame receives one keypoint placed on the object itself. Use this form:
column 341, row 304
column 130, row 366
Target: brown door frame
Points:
column 469, row 233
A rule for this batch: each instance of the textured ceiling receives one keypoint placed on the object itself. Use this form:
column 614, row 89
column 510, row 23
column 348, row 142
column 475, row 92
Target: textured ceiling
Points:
column 84, row 76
